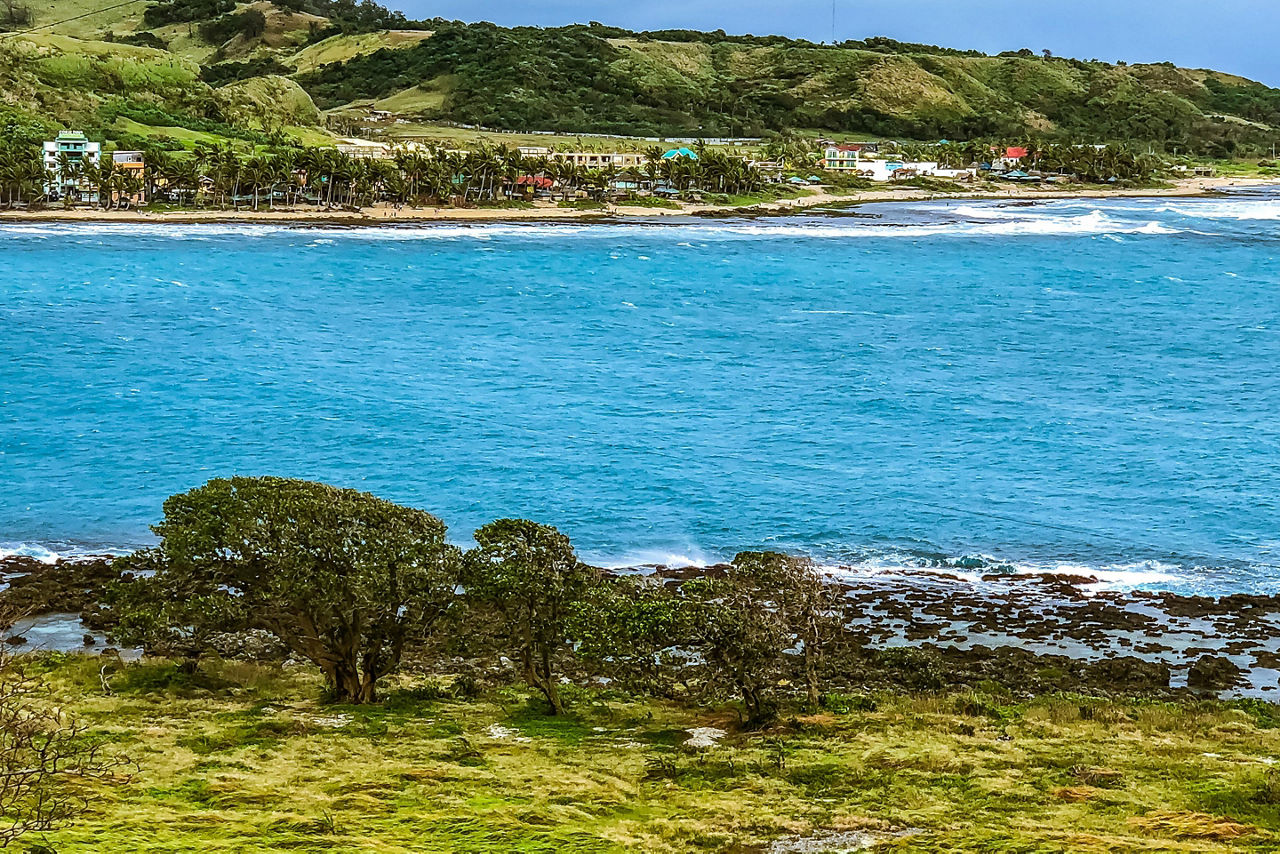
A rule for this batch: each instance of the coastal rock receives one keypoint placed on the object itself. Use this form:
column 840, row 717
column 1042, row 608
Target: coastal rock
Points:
column 1213, row 673
column 1128, row 674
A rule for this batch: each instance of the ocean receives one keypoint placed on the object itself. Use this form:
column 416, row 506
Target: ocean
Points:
column 1088, row 387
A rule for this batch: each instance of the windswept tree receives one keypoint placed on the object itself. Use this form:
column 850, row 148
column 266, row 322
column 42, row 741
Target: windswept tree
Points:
column 748, row 624
column 529, row 574
column 340, row 577
column 53, row 768
column 636, row 630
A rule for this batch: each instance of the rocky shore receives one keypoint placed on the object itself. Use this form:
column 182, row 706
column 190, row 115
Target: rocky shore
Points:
column 1042, row 633
column 1052, row 632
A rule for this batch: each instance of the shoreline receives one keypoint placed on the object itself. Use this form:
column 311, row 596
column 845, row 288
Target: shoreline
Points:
column 1156, row 644
column 388, row 215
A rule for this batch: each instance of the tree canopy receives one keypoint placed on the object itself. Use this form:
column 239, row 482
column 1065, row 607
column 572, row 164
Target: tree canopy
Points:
column 342, row 578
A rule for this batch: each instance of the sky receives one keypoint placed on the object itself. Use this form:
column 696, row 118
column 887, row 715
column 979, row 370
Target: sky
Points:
column 1238, row 36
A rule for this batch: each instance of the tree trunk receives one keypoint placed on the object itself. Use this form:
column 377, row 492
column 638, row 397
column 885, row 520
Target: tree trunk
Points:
column 538, row 673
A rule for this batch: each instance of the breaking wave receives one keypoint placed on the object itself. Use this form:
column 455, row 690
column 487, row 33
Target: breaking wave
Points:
column 980, row 222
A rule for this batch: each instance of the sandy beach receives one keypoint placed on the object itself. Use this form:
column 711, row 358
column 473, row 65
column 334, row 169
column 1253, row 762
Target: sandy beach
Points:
column 544, row 211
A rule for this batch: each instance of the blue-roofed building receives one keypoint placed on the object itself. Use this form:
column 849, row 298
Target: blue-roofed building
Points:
column 680, row 152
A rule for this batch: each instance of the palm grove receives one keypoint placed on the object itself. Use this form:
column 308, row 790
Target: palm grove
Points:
column 356, row 585
column 225, row 177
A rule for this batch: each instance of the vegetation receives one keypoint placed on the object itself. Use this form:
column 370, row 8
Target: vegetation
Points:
column 238, row 751
column 175, row 55
column 722, row 711
column 529, row 574
column 605, row 80
column 49, row 762
column 219, row 176
column 339, row 577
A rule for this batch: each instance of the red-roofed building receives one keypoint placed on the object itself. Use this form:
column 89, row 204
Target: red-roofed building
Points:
column 1015, row 153
column 529, row 185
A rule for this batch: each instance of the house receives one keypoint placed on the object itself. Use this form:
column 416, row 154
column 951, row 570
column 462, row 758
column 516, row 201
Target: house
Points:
column 72, row 148
column 889, row 170
column 841, row 158
column 530, row 186
column 770, row 169
column 1009, row 159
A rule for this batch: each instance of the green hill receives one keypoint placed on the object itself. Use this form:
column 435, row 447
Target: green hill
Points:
column 216, row 67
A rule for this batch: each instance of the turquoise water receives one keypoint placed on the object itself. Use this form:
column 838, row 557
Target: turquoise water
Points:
column 1076, row 385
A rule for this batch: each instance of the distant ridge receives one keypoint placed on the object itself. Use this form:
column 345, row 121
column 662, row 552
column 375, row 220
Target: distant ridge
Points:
column 184, row 64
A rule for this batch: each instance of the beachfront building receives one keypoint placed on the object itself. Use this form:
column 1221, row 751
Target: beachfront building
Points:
column 899, row 170
column 599, row 160
column 1010, row 159
column 65, row 159
column 842, row 158
column 132, row 164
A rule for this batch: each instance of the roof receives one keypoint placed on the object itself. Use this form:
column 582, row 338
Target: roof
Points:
column 538, row 182
column 72, row 136
column 846, row 147
column 1015, row 152
column 680, row 152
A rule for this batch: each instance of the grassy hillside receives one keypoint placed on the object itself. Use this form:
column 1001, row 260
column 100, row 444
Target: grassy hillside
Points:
column 171, row 59
column 241, row 754
column 603, row 80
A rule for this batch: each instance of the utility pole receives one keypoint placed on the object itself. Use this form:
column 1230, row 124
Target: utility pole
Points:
column 833, row 21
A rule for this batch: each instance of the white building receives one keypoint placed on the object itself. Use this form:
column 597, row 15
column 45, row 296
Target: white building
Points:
column 888, row 170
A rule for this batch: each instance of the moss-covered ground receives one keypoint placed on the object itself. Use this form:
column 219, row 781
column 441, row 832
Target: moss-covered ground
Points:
column 245, row 757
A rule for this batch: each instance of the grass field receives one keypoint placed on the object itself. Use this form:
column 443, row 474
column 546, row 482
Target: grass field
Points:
column 87, row 18
column 242, row 757
column 344, row 47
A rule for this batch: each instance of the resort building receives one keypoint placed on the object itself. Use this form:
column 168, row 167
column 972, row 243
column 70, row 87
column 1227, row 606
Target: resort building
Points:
column 599, row 160
column 364, row 149
column 841, row 158
column 898, row 170
column 74, row 150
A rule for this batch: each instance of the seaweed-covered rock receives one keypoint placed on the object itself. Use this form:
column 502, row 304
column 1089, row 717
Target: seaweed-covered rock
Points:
column 1128, row 674
column 1213, row 673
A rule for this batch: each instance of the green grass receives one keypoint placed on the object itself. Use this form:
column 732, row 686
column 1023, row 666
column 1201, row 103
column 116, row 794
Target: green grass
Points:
column 650, row 202
column 344, row 47
column 770, row 193
column 240, row 757
column 91, row 16
column 188, row 138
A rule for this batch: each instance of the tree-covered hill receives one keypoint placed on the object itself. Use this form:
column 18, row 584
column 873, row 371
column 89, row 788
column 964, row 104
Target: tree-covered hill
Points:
column 593, row 78
column 188, row 64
